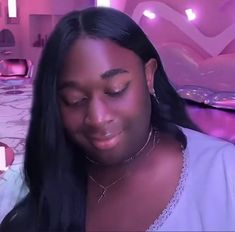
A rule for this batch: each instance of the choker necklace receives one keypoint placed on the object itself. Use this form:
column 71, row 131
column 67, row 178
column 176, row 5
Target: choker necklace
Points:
column 133, row 156
column 145, row 145
column 106, row 188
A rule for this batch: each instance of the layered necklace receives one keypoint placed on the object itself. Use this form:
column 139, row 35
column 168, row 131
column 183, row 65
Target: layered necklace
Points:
column 105, row 189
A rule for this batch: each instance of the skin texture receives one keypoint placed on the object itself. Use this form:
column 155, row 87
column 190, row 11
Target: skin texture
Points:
column 104, row 94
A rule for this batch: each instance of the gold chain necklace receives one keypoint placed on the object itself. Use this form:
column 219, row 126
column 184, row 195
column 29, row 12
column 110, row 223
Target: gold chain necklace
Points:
column 132, row 157
column 106, row 188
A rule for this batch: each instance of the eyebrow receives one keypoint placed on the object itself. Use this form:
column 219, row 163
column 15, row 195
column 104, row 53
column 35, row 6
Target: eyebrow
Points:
column 106, row 75
column 112, row 73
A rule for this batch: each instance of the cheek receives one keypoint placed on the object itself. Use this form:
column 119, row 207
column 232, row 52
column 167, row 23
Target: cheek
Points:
column 135, row 107
column 142, row 109
column 72, row 120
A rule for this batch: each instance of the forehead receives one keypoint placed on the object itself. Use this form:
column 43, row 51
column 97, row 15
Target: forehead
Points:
column 99, row 55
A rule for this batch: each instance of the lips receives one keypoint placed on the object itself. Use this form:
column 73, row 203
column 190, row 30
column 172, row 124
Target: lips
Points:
column 105, row 142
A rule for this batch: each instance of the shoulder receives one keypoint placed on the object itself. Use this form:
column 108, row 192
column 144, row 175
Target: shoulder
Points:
column 210, row 153
column 211, row 160
column 206, row 145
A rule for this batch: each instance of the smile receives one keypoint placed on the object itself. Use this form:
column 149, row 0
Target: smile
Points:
column 105, row 143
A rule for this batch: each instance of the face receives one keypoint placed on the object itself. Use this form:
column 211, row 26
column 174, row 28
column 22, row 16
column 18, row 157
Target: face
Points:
column 104, row 99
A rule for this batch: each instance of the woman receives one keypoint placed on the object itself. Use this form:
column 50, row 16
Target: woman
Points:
column 108, row 148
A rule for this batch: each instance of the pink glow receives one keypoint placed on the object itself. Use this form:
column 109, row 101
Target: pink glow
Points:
column 215, row 122
column 190, row 14
column 118, row 4
column 149, row 14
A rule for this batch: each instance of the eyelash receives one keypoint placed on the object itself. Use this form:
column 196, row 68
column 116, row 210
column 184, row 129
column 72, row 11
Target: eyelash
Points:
column 75, row 103
column 83, row 100
column 115, row 94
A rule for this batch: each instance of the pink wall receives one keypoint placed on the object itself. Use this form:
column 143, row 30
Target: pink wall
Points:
column 26, row 31
column 214, row 16
column 15, row 29
column 200, row 53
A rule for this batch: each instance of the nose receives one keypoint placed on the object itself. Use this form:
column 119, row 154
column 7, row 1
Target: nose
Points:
column 98, row 114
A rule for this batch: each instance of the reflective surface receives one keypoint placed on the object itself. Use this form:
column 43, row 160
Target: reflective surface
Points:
column 224, row 100
column 216, row 122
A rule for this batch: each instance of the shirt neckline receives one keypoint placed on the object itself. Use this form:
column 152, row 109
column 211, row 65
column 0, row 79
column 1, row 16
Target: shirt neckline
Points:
column 161, row 219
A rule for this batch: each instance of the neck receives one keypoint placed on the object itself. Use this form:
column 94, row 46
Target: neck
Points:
column 107, row 174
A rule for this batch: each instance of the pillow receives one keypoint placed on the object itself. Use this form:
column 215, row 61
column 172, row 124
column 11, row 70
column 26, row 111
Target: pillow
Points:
column 13, row 67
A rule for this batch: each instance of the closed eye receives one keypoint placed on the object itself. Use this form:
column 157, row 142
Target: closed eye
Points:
column 114, row 93
column 75, row 103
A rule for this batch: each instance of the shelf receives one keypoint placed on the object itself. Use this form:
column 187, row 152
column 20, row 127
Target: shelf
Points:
column 40, row 27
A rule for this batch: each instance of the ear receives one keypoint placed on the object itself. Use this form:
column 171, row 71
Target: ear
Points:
column 150, row 69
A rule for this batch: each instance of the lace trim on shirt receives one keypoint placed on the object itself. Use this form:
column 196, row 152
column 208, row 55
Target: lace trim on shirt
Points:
column 175, row 199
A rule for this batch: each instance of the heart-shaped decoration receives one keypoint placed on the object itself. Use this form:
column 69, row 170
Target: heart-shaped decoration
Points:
column 218, row 123
column 185, row 66
column 225, row 100
column 212, row 45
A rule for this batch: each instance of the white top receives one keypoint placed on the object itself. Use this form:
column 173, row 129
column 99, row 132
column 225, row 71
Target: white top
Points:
column 204, row 199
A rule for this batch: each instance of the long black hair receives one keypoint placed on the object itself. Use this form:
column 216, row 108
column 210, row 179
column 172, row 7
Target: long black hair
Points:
column 54, row 172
